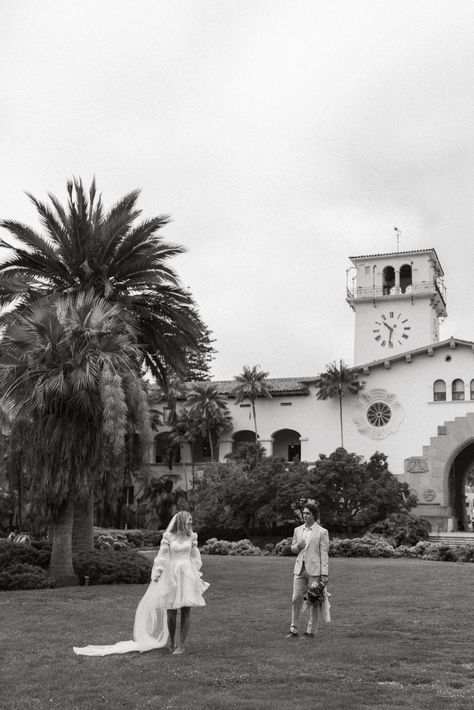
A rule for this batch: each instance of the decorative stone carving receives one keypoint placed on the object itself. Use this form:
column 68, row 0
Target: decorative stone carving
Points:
column 416, row 464
column 428, row 495
column 377, row 413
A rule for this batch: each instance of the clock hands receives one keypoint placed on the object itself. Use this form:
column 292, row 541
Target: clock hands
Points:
column 390, row 344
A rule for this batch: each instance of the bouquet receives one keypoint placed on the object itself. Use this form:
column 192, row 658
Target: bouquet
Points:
column 315, row 594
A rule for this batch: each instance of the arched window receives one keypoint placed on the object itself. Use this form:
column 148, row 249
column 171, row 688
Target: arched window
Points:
column 472, row 389
column 388, row 279
column 439, row 391
column 405, row 277
column 457, row 390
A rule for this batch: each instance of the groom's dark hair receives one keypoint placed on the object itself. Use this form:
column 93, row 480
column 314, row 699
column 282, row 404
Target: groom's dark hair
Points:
column 313, row 507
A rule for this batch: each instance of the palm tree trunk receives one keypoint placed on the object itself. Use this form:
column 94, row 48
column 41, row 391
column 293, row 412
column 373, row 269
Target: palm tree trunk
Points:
column 340, row 419
column 83, row 526
column 60, row 566
column 211, row 446
column 255, row 422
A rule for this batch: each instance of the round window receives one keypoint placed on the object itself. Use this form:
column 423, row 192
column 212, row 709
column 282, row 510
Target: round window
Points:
column 379, row 414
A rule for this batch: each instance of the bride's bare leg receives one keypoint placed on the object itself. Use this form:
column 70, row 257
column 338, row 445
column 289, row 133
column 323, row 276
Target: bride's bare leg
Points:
column 185, row 624
column 184, row 629
column 171, row 614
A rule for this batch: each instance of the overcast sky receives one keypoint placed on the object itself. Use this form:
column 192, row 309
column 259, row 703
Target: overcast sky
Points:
column 281, row 136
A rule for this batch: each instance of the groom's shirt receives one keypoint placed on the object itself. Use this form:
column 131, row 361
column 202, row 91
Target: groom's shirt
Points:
column 306, row 533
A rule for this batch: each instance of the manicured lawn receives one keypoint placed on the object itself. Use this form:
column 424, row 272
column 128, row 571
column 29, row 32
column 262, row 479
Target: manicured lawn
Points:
column 402, row 636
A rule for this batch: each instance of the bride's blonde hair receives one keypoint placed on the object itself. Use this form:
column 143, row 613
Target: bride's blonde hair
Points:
column 179, row 526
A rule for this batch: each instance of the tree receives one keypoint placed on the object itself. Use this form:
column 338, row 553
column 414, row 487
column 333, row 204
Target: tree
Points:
column 249, row 455
column 199, row 359
column 353, row 492
column 83, row 249
column 384, row 494
column 338, row 482
column 186, row 430
column 252, row 383
column 337, row 382
column 209, row 410
column 69, row 364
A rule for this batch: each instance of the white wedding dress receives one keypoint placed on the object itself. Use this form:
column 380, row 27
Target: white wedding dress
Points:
column 176, row 582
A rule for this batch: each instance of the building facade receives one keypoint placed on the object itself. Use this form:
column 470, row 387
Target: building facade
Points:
column 416, row 405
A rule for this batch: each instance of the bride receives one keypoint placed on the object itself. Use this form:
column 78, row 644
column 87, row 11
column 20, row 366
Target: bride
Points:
column 175, row 584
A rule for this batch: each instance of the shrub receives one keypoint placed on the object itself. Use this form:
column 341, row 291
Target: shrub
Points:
column 283, row 548
column 112, row 541
column 21, row 575
column 466, row 553
column 214, row 546
column 345, row 547
column 17, row 552
column 144, row 538
column 367, row 546
column 421, row 547
column 111, row 567
column 406, row 551
column 105, row 539
column 402, row 529
column 440, row 552
column 42, row 545
column 245, row 548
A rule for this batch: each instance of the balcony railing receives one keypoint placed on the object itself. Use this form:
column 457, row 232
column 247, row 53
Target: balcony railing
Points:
column 413, row 289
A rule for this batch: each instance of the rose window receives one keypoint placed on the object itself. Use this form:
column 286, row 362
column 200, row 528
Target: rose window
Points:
column 379, row 414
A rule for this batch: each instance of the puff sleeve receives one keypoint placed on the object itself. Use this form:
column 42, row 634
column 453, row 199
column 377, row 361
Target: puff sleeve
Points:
column 195, row 554
column 162, row 558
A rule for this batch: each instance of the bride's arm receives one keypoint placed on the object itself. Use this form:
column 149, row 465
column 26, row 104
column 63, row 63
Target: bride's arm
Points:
column 195, row 554
column 162, row 558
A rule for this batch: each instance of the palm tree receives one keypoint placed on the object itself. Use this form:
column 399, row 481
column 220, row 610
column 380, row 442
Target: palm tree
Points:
column 337, row 382
column 209, row 410
column 185, row 430
column 252, row 383
column 69, row 364
column 84, row 249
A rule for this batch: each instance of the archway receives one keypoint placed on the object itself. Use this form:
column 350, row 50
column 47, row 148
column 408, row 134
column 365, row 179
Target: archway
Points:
column 287, row 444
column 405, row 277
column 459, row 482
column 242, row 437
column 439, row 477
column 165, row 453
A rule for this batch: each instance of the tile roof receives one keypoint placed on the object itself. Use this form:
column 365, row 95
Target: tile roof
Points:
column 448, row 343
column 277, row 385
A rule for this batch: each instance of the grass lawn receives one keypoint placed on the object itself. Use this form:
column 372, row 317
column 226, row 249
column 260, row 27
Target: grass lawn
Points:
column 402, row 636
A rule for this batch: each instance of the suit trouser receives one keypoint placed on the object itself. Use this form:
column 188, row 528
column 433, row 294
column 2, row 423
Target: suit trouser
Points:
column 300, row 583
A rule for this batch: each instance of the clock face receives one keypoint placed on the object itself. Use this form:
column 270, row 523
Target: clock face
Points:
column 391, row 329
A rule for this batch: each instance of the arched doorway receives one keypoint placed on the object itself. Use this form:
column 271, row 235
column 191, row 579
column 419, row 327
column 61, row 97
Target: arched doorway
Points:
column 165, row 453
column 240, row 438
column 440, row 476
column 460, row 480
column 287, row 444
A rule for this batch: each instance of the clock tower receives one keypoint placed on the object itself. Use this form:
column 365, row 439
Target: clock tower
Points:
column 398, row 299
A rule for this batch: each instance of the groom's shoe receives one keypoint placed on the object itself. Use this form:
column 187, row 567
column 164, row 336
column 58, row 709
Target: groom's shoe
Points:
column 292, row 635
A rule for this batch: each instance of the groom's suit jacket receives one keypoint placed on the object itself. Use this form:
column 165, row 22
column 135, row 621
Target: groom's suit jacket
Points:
column 315, row 554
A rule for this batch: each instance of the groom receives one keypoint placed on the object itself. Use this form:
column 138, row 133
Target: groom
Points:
column 311, row 544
